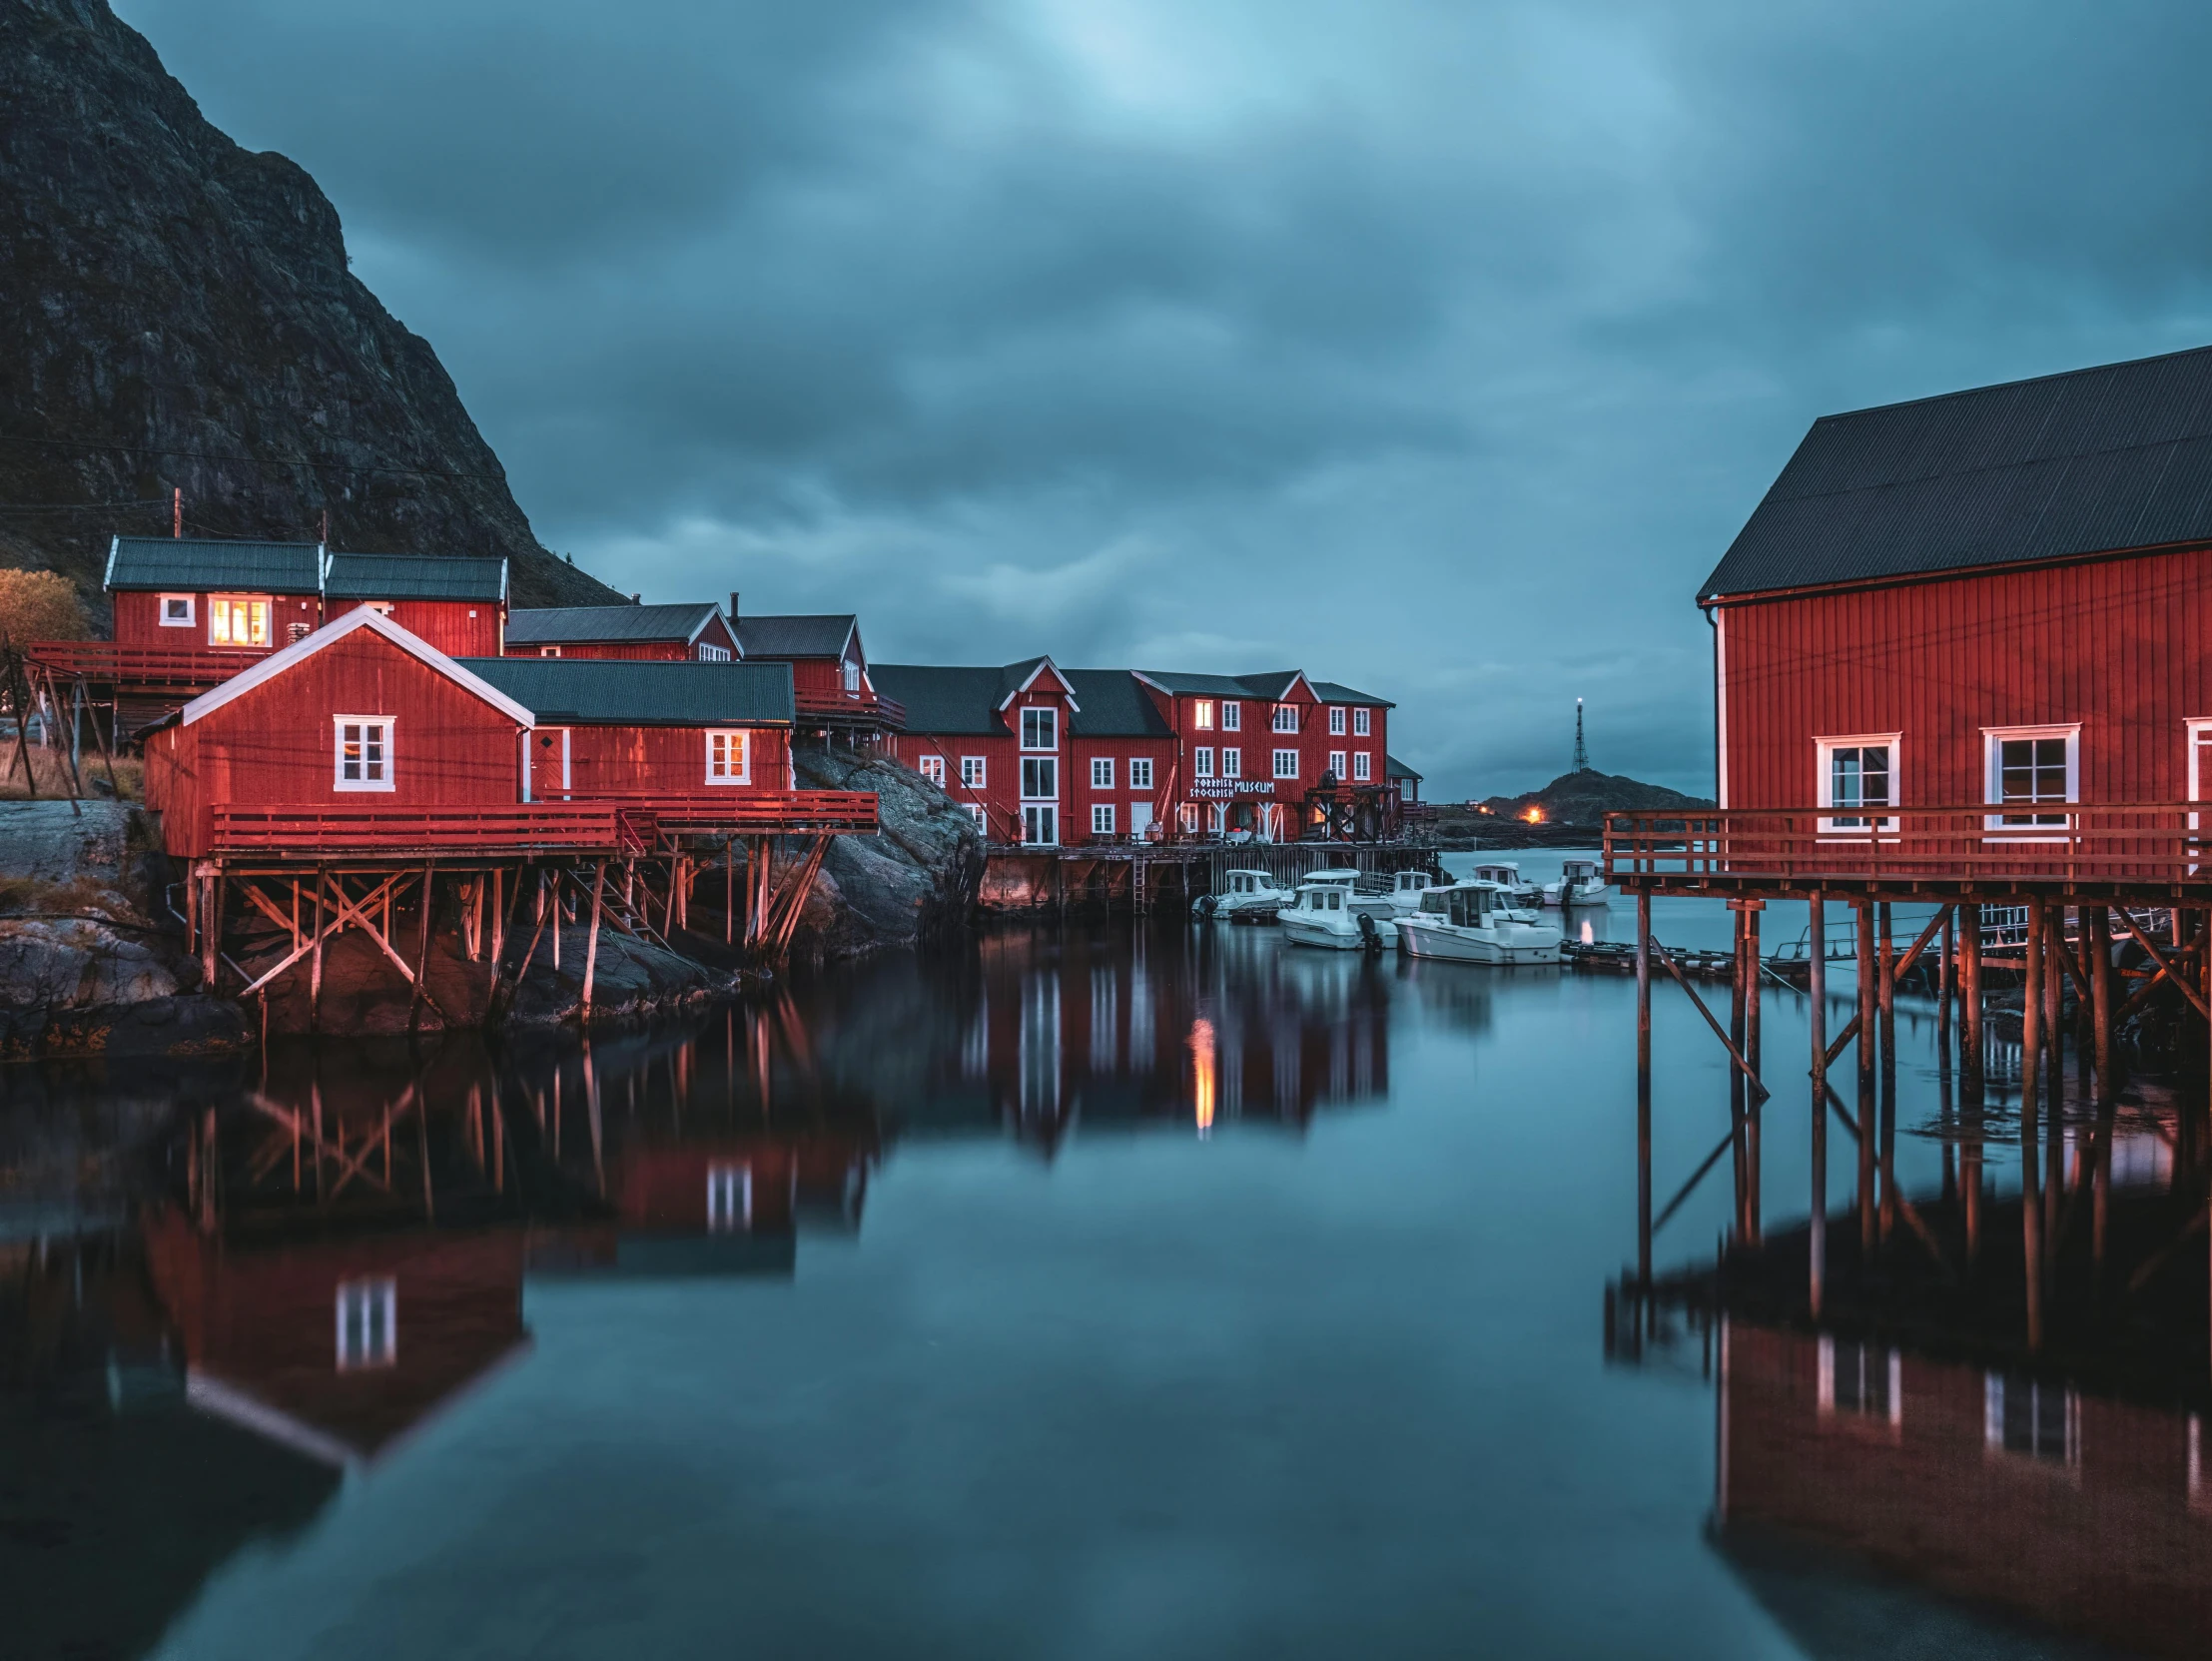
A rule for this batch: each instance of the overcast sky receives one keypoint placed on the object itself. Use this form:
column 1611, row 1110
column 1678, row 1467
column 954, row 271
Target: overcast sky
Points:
column 1437, row 347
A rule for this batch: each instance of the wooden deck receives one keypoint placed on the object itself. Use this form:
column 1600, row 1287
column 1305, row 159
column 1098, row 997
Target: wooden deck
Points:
column 2124, row 851
column 181, row 669
column 816, row 707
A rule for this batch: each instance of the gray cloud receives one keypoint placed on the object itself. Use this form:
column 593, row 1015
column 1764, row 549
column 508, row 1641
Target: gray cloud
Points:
column 1437, row 350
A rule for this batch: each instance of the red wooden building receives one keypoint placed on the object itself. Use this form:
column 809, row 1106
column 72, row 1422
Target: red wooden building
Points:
column 829, row 670
column 459, row 606
column 175, row 596
column 694, row 631
column 1986, row 609
column 1258, row 749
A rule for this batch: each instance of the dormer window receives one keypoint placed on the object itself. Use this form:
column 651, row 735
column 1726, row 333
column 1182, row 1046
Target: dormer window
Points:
column 709, row 653
column 1039, row 728
column 1286, row 717
column 852, row 676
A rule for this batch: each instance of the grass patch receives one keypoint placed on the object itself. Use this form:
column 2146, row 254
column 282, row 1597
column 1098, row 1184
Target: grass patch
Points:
column 50, row 771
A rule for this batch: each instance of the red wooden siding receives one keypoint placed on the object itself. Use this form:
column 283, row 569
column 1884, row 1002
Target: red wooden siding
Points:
column 2116, row 644
column 138, row 618
column 458, row 628
column 273, row 746
column 716, row 633
column 629, row 759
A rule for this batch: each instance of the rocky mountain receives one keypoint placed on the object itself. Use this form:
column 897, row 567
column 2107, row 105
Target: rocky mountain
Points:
column 177, row 312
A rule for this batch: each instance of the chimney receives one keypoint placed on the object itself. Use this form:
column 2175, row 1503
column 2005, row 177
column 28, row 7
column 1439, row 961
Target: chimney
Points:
column 733, row 606
column 637, row 600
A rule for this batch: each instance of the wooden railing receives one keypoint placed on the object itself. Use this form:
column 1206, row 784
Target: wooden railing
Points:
column 865, row 708
column 2140, row 843
column 154, row 666
column 747, row 812
column 330, row 832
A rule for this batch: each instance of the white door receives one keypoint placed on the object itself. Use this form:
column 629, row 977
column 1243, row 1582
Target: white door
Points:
column 1140, row 818
column 1040, row 823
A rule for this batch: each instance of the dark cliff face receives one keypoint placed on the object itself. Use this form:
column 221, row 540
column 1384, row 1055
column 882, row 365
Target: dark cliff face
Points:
column 177, row 312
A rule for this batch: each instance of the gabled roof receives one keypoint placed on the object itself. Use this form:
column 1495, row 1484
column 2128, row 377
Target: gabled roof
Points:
column 954, row 699
column 2096, row 461
column 1269, row 687
column 553, row 625
column 413, row 576
column 1329, row 691
column 1393, row 768
column 360, row 617
column 616, row 691
column 204, row 566
column 797, row 635
column 1113, row 706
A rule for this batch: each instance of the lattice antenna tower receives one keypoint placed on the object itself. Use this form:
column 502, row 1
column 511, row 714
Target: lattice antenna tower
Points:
column 1582, row 750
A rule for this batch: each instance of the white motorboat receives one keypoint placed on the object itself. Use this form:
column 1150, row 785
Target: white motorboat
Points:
column 1250, row 896
column 1406, row 889
column 1581, row 883
column 1509, row 878
column 1334, row 915
column 1475, row 922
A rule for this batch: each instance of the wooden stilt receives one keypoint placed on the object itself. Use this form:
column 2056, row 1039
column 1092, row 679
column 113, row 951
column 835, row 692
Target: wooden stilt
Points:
column 591, row 949
column 1816, row 1018
column 1971, row 1077
column 1644, row 1090
column 1754, row 1108
column 1739, row 997
column 1887, row 999
column 2054, row 1041
column 315, row 975
column 1869, row 977
column 2032, row 1050
column 421, row 953
column 729, row 892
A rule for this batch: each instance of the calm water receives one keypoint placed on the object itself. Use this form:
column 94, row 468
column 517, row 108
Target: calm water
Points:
column 1074, row 1296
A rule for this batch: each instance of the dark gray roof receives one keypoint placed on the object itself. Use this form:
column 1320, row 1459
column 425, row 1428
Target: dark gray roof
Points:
column 796, row 636
column 555, row 624
column 1267, row 686
column 415, row 576
column 1393, row 768
column 616, row 691
column 945, row 699
column 1112, row 703
column 2096, row 461
column 1329, row 691
column 203, row 566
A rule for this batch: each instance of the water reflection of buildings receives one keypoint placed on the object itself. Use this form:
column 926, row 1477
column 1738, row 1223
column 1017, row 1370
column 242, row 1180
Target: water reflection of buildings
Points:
column 1212, row 1028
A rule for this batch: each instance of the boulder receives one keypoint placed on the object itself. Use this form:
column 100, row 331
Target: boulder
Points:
column 917, row 877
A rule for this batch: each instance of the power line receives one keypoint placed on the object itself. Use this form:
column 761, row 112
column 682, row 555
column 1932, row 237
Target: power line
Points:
column 77, row 506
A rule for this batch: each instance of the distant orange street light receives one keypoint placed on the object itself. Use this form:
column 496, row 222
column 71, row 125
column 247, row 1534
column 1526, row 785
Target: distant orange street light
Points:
column 1534, row 816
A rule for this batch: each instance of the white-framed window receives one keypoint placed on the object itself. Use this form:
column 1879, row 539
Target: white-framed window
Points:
column 361, row 752
column 1363, row 765
column 1860, row 771
column 368, row 1323
column 1232, row 716
column 1039, row 778
column 176, row 611
column 1201, row 714
column 1363, row 722
column 1039, row 728
column 1141, row 772
column 548, row 651
column 1188, row 814
column 2027, row 1417
column 1101, row 819
column 1286, row 717
column 1201, row 762
column 1338, row 764
column 729, row 1199
column 1232, row 763
column 1861, row 1379
column 729, row 760
column 1287, row 764
column 1102, row 772
column 235, row 620
column 981, row 815
column 2200, row 759
column 2029, row 769
column 382, row 608
column 711, row 653
column 932, row 769
column 852, row 676
column 972, row 772
column 1336, row 720
column 1040, row 823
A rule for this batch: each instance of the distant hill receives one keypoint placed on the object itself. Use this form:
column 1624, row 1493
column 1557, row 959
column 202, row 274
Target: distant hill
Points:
column 1585, row 798
column 177, row 312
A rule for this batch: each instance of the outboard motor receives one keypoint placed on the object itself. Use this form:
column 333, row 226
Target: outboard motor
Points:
column 1370, row 938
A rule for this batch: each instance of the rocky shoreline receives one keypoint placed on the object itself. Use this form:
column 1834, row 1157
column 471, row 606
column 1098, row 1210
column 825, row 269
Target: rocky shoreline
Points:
column 93, row 961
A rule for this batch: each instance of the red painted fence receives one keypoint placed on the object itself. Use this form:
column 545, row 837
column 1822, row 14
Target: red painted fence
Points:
column 171, row 667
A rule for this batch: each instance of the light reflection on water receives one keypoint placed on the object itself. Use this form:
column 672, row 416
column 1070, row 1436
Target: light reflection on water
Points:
column 1078, row 1293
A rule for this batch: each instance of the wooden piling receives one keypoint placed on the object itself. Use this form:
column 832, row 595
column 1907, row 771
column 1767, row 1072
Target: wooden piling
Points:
column 1864, row 916
column 1754, row 1226
column 1887, row 999
column 1816, row 1019
column 1738, row 1094
column 1644, row 1090
column 2031, row 1049
column 591, row 949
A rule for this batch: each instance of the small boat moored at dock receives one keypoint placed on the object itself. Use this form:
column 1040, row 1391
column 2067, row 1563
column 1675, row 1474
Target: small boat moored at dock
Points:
column 1475, row 922
column 1508, row 877
column 1334, row 915
column 1247, row 897
column 1581, row 883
